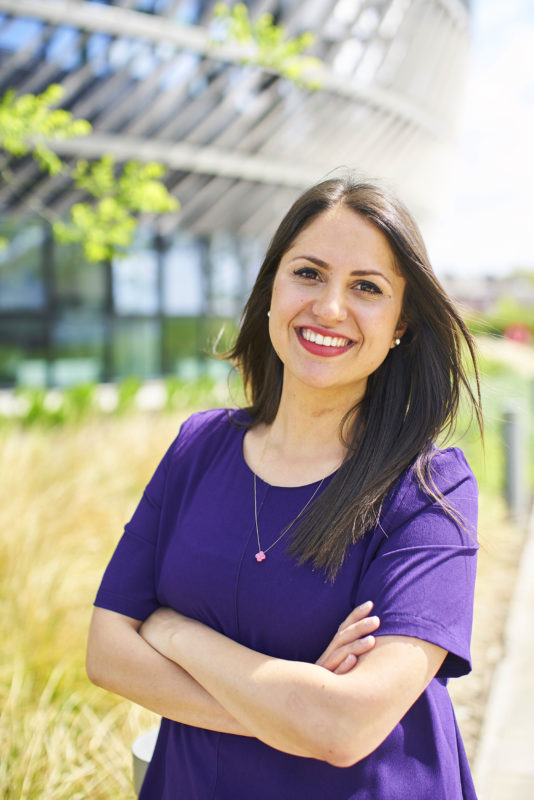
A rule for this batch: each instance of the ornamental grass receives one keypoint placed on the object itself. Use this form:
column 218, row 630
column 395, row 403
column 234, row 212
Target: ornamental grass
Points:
column 65, row 493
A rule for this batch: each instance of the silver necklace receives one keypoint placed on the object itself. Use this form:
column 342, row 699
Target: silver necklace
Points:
column 261, row 554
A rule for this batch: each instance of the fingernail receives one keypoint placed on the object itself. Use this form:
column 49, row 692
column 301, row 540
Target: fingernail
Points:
column 368, row 640
column 374, row 620
column 367, row 605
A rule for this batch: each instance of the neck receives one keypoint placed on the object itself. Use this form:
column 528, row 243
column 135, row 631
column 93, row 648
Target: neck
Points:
column 303, row 444
column 308, row 423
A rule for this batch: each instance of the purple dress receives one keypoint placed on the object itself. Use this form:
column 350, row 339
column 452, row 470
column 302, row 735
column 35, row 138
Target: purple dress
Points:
column 190, row 545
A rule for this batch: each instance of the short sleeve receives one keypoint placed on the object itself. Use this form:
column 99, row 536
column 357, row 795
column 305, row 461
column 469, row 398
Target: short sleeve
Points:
column 421, row 565
column 129, row 582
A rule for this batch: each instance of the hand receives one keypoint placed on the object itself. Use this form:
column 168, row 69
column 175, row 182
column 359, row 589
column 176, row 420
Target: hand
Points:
column 158, row 628
column 352, row 640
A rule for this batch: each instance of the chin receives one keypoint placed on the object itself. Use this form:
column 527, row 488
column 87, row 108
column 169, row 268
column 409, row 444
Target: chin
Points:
column 323, row 384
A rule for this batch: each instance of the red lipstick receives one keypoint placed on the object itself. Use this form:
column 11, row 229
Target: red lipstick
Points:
column 320, row 349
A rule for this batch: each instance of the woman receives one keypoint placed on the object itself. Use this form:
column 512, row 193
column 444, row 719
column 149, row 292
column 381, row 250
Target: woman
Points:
column 263, row 529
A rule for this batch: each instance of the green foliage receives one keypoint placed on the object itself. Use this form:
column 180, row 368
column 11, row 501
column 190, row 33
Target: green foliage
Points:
column 74, row 405
column 182, row 393
column 79, row 401
column 37, row 409
column 106, row 227
column 501, row 386
column 268, row 45
column 127, row 391
column 509, row 311
column 71, row 405
column 137, row 187
column 100, row 229
column 28, row 122
column 176, row 393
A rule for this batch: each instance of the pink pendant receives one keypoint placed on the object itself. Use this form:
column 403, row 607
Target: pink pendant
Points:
column 260, row 556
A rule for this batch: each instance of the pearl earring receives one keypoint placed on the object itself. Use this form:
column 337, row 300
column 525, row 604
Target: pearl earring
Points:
column 397, row 342
column 268, row 313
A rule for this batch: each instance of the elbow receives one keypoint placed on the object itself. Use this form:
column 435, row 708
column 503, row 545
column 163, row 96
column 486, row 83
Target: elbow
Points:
column 341, row 754
column 343, row 757
column 100, row 674
column 346, row 753
column 332, row 741
column 93, row 669
column 347, row 739
column 322, row 725
column 102, row 643
column 98, row 665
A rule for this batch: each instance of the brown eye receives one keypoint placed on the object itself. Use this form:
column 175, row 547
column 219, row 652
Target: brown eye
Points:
column 307, row 272
column 368, row 287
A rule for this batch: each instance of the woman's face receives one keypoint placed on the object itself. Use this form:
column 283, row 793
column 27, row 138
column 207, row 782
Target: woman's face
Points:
column 336, row 304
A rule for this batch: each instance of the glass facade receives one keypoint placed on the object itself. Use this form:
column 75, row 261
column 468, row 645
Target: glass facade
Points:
column 158, row 310
column 21, row 268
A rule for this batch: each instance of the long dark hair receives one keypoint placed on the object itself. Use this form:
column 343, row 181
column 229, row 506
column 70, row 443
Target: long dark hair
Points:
column 410, row 400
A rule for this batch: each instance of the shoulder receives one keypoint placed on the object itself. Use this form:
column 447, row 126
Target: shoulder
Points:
column 448, row 468
column 206, row 429
column 451, row 491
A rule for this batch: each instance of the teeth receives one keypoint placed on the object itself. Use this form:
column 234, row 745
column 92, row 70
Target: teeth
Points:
column 326, row 341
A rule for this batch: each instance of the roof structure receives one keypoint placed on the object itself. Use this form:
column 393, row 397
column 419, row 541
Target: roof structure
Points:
column 240, row 142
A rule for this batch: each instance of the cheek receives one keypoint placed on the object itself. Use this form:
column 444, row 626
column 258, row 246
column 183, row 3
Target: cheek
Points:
column 286, row 301
column 378, row 324
column 376, row 317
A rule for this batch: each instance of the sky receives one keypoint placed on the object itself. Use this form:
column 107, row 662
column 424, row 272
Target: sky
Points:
column 486, row 224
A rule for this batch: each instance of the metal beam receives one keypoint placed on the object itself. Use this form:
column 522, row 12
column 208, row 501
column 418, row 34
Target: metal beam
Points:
column 137, row 25
column 190, row 158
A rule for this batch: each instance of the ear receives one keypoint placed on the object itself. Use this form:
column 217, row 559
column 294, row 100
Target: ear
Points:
column 401, row 328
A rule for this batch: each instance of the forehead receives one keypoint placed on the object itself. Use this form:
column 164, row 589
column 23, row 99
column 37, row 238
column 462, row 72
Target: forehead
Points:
column 341, row 236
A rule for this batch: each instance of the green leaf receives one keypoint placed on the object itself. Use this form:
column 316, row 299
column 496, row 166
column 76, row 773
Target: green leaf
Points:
column 268, row 44
column 28, row 123
column 103, row 226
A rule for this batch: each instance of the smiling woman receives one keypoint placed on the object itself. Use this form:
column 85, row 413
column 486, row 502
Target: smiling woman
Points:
column 237, row 602
column 338, row 281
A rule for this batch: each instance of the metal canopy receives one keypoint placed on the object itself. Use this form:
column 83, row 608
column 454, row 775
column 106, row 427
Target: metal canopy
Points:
column 240, row 142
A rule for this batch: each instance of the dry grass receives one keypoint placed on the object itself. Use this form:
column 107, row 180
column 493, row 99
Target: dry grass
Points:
column 64, row 497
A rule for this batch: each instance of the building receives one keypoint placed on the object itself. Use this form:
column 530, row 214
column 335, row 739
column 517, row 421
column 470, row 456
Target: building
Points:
column 239, row 144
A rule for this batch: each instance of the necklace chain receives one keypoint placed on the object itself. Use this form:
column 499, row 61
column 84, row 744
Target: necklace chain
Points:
column 261, row 554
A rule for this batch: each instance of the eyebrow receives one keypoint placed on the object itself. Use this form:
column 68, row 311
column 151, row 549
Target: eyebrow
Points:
column 355, row 272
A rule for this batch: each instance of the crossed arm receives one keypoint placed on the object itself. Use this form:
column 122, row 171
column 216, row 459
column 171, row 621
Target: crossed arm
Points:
column 122, row 661
column 337, row 710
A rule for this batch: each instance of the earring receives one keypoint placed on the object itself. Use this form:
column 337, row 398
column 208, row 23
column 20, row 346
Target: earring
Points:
column 397, row 342
column 268, row 313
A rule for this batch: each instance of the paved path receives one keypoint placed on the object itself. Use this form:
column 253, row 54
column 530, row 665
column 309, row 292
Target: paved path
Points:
column 504, row 767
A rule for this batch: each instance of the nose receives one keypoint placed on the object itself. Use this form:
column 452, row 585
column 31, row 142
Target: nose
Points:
column 329, row 305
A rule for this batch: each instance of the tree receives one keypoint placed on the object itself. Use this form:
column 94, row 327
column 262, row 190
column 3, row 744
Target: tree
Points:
column 104, row 224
